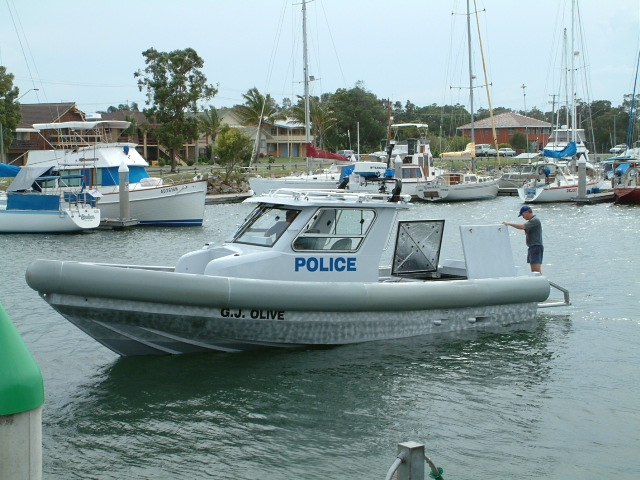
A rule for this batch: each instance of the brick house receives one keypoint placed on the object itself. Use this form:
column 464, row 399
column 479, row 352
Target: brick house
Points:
column 536, row 131
column 27, row 138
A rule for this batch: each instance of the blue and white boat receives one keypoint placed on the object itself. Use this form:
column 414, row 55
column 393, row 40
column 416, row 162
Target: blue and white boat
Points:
column 152, row 202
column 25, row 208
column 302, row 270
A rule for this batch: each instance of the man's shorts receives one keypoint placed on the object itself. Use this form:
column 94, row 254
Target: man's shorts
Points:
column 534, row 255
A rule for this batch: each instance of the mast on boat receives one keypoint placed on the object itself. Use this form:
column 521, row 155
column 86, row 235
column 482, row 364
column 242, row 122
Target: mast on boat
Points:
column 486, row 83
column 473, row 132
column 573, row 72
column 307, row 120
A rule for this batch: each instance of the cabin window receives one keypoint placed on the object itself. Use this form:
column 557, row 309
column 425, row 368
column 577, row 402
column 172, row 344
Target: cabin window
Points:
column 335, row 229
column 411, row 172
column 71, row 178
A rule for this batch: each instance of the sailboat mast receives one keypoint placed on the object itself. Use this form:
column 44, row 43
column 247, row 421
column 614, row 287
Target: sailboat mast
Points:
column 573, row 72
column 473, row 133
column 486, row 83
column 307, row 120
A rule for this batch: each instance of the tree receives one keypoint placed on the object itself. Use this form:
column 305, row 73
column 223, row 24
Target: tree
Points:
column 256, row 110
column 358, row 108
column 174, row 85
column 233, row 148
column 10, row 114
column 518, row 141
column 210, row 126
column 123, row 107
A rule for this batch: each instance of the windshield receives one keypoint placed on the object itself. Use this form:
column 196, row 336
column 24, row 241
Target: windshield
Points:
column 265, row 225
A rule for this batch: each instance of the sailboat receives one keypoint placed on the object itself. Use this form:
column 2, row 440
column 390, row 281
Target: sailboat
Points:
column 328, row 178
column 339, row 173
column 27, row 208
column 558, row 179
column 626, row 168
column 462, row 186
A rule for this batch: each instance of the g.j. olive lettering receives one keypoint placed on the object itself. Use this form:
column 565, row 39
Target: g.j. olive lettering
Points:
column 254, row 314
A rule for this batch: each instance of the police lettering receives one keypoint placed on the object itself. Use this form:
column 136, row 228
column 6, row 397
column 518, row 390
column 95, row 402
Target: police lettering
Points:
column 325, row 264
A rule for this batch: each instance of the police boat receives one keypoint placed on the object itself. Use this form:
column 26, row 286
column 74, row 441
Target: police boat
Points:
column 302, row 270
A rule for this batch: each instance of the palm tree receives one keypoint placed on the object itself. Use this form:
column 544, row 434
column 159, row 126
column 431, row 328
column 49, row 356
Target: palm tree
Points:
column 210, row 126
column 132, row 129
column 322, row 118
column 256, row 110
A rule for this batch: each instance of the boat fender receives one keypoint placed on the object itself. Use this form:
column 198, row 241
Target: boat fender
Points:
column 343, row 183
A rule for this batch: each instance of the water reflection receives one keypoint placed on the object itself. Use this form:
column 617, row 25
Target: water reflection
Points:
column 306, row 404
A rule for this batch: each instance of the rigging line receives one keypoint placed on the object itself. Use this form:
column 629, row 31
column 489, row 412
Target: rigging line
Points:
column 333, row 44
column 292, row 58
column 557, row 60
column 26, row 61
column 633, row 102
column 275, row 45
column 585, row 77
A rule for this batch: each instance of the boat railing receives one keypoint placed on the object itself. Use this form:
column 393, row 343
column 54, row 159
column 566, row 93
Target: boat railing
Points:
column 566, row 301
column 334, row 195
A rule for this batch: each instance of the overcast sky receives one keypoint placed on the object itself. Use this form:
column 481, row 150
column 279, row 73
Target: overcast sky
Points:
column 87, row 52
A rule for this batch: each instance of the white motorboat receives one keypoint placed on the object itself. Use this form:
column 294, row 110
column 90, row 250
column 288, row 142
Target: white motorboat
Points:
column 517, row 175
column 152, row 202
column 326, row 178
column 26, row 209
column 410, row 159
column 457, row 187
column 310, row 280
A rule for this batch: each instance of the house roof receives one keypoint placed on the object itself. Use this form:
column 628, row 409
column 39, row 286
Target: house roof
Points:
column 508, row 120
column 141, row 118
column 45, row 112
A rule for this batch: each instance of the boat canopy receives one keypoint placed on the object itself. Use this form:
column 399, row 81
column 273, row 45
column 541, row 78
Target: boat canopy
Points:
column 8, row 170
column 623, row 167
column 82, row 125
column 26, row 176
column 568, row 151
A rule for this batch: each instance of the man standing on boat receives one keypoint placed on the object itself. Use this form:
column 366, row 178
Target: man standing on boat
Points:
column 533, row 234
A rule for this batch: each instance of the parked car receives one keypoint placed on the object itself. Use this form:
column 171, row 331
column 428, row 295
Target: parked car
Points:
column 621, row 148
column 349, row 154
column 507, row 152
column 485, row 150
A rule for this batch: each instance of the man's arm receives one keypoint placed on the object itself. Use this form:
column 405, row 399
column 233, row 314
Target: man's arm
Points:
column 519, row 226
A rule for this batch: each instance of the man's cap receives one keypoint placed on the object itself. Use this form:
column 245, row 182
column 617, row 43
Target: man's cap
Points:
column 523, row 209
